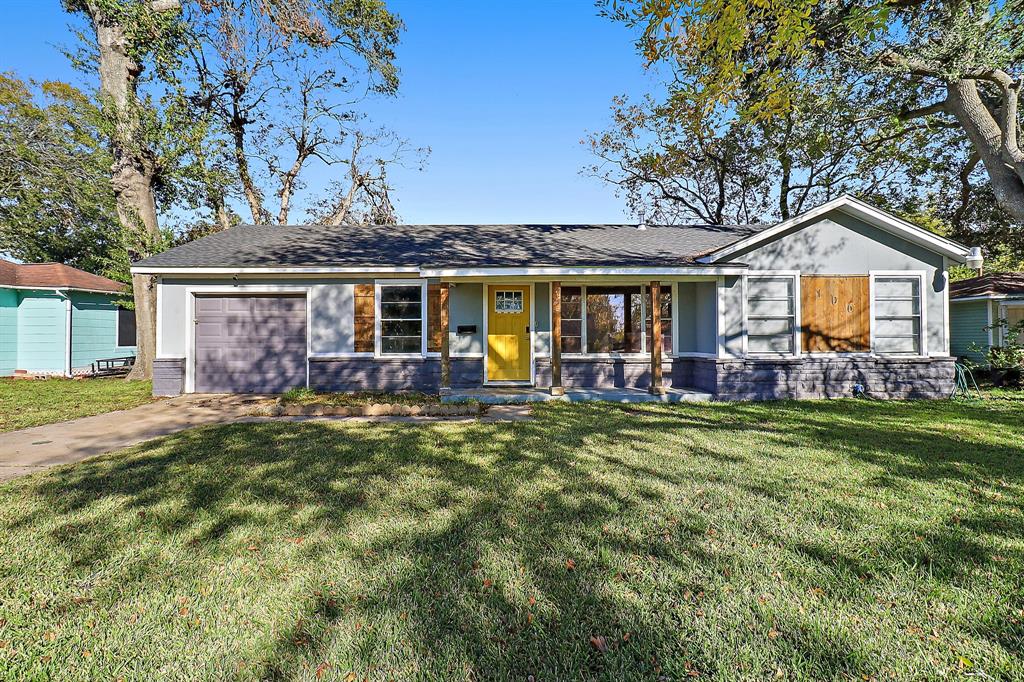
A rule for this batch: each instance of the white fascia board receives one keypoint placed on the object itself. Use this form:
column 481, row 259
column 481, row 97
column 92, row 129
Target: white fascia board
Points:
column 65, row 289
column 540, row 271
column 584, row 271
column 858, row 209
column 984, row 297
column 185, row 272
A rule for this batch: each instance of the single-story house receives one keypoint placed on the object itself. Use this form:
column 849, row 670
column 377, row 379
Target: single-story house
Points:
column 56, row 319
column 976, row 307
column 841, row 298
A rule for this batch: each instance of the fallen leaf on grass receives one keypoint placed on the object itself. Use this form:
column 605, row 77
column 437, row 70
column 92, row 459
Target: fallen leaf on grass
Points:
column 488, row 582
column 570, row 564
column 599, row 643
column 532, row 600
column 321, row 669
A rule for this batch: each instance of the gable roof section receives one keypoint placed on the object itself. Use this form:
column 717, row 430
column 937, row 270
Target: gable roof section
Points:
column 858, row 209
column 53, row 276
column 416, row 247
column 989, row 286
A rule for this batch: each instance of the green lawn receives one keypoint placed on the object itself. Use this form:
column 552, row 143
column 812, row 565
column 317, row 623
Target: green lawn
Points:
column 25, row 403
column 820, row 540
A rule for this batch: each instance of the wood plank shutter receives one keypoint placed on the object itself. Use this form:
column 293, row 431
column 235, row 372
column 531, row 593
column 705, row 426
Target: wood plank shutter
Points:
column 835, row 313
column 364, row 318
column 434, row 334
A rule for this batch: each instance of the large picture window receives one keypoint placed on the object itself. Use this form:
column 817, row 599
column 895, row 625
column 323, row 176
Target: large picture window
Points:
column 771, row 315
column 613, row 319
column 898, row 315
column 401, row 319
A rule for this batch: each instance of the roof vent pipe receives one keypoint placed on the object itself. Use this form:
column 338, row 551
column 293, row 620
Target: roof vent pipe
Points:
column 974, row 259
column 642, row 225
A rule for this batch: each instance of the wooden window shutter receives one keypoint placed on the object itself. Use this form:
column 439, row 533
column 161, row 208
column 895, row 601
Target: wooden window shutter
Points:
column 434, row 318
column 364, row 318
column 835, row 314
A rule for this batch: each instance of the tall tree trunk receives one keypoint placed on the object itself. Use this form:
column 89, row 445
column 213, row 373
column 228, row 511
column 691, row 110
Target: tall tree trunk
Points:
column 134, row 167
column 253, row 196
column 995, row 145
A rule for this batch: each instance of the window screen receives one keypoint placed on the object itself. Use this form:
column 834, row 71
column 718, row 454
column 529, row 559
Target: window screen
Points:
column 572, row 320
column 125, row 327
column 401, row 319
column 770, row 315
column 898, row 315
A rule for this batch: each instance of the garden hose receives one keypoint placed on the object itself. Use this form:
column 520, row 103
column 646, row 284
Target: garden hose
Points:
column 964, row 383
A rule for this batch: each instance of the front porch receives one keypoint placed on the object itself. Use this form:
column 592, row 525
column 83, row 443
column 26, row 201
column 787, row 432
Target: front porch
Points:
column 641, row 335
column 494, row 395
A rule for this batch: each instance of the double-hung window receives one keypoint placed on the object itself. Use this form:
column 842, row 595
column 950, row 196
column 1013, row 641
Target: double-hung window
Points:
column 898, row 315
column 771, row 315
column 401, row 319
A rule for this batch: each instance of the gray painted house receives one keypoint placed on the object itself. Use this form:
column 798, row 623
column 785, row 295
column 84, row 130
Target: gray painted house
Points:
column 840, row 296
column 976, row 307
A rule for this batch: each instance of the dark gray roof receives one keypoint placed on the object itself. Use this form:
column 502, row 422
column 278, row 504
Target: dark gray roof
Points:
column 251, row 246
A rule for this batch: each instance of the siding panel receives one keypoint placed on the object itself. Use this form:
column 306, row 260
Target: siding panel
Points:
column 967, row 323
column 41, row 340
column 8, row 331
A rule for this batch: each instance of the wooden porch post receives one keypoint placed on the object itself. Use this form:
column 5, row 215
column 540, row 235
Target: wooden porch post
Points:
column 556, row 339
column 656, row 380
column 446, row 368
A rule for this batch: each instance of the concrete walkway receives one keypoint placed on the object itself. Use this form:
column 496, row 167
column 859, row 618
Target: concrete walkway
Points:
column 41, row 447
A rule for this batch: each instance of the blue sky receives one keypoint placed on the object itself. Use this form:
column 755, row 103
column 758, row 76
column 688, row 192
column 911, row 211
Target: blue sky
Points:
column 502, row 92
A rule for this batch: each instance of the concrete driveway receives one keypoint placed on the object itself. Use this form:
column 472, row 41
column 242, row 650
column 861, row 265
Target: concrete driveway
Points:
column 41, row 447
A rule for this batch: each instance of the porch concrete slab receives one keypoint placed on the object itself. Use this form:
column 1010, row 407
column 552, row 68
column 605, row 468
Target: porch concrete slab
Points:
column 515, row 396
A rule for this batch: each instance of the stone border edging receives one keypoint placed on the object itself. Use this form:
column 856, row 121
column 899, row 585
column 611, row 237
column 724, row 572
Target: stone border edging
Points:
column 373, row 410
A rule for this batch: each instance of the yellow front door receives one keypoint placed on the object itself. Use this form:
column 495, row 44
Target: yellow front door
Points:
column 508, row 333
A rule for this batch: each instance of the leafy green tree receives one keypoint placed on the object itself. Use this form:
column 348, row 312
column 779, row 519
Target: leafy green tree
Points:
column 56, row 200
column 940, row 64
column 181, row 102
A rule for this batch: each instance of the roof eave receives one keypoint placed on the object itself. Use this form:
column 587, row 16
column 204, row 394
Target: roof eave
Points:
column 858, row 209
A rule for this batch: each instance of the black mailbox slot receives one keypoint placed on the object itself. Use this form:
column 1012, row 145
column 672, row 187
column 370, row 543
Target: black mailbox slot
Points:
column 466, row 329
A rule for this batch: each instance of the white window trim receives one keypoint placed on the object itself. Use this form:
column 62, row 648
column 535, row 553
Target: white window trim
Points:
column 922, row 344
column 377, row 286
column 794, row 275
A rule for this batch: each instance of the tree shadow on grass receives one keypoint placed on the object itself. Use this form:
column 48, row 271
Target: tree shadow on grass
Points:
column 495, row 551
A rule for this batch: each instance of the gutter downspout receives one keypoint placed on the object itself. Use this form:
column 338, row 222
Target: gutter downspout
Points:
column 67, row 331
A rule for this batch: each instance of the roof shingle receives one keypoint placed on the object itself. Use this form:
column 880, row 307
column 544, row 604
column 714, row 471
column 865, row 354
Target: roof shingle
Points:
column 53, row 276
column 257, row 246
column 988, row 285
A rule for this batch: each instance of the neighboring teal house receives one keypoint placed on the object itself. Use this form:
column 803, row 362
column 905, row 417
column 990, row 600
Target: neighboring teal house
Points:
column 55, row 319
column 981, row 302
